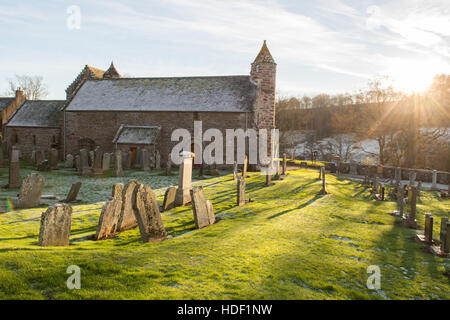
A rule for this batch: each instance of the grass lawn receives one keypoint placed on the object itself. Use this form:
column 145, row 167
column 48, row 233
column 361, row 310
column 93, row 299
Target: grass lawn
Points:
column 288, row 243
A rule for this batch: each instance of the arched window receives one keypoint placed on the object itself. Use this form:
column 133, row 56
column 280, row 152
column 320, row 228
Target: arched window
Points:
column 34, row 139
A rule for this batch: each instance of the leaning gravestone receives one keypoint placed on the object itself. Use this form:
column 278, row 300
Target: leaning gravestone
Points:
column 14, row 168
column 127, row 219
column 183, row 195
column 109, row 217
column 200, row 208
column 54, row 158
column 31, row 191
column 72, row 195
column 69, row 161
column 169, row 198
column 146, row 211
column 55, row 226
column 118, row 170
column 241, row 191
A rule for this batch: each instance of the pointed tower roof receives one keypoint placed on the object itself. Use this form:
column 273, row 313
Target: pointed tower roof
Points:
column 264, row 55
column 111, row 73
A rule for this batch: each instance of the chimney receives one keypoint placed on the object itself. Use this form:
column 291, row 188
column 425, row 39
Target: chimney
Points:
column 20, row 94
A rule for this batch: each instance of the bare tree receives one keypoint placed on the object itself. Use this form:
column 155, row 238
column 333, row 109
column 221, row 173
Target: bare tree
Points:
column 33, row 87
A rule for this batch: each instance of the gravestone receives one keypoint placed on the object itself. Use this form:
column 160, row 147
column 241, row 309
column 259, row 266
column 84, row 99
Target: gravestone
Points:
column 106, row 162
column 78, row 163
column 400, row 196
column 169, row 167
column 118, row 171
column 200, row 208
column 284, row 165
column 85, row 169
column 98, row 157
column 411, row 219
column 444, row 235
column 235, row 171
column 44, row 166
column 127, row 219
column 241, row 191
column 91, row 158
column 428, row 228
column 434, row 180
column 147, row 215
column 268, row 179
column 54, row 158
column 183, row 195
column 412, row 178
column 69, row 161
column 109, row 217
column 55, row 225
column 73, row 193
column 14, row 169
column 39, row 157
column 244, row 168
column 145, row 160
column 31, row 191
column 210, row 208
column 169, row 198
column 33, row 157
column 158, row 160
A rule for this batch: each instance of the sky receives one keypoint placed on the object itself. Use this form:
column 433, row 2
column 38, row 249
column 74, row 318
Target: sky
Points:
column 319, row 46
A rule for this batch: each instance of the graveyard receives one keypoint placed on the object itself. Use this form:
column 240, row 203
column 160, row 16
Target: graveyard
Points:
column 290, row 238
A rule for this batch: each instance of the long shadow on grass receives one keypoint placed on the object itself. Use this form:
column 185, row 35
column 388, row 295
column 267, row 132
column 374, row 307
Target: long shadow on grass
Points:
column 310, row 201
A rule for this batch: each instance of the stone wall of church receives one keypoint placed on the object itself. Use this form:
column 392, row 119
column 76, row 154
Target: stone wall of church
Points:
column 101, row 127
column 28, row 139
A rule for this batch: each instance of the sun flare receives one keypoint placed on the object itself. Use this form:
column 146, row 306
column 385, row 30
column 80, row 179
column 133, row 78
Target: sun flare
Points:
column 413, row 76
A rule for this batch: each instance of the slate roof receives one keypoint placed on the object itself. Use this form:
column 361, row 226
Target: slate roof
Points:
column 194, row 94
column 37, row 113
column 137, row 134
column 4, row 102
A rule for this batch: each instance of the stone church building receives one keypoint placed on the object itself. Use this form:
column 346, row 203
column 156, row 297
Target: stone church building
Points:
column 103, row 109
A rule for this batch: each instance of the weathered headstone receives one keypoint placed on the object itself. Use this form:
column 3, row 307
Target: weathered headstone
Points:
column 39, row 157
column 284, row 165
column 268, row 179
column 73, row 193
column 118, row 170
column 241, row 191
column 54, row 158
column 44, row 166
column 14, row 169
column 169, row 198
column 158, row 160
column 98, row 157
column 109, row 217
column 200, row 208
column 106, row 162
column 146, row 211
column 91, row 158
column 69, row 161
column 444, row 235
column 85, row 169
column 210, row 209
column 31, row 191
column 183, row 195
column 145, row 160
column 78, row 163
column 411, row 219
column 127, row 219
column 55, row 225
column 428, row 228
column 324, row 189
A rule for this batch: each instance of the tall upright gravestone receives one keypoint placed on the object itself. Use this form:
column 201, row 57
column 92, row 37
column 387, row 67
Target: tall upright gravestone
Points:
column 145, row 160
column 14, row 167
column 235, row 171
column 157, row 160
column 283, row 172
column 183, row 195
column 98, row 157
column 118, row 170
column 54, row 158
column 55, row 225
column 146, row 211
column 106, row 162
column 241, row 191
column 31, row 191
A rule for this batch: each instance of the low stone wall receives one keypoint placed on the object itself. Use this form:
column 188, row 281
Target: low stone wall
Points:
column 388, row 172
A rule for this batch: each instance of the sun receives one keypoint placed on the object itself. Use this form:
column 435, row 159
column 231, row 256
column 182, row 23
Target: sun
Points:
column 413, row 76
